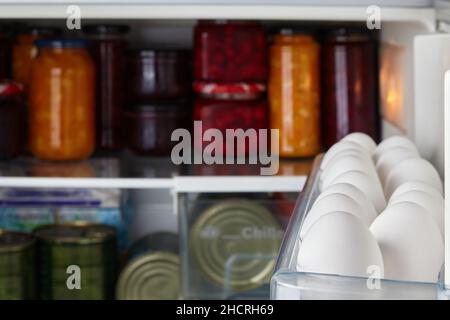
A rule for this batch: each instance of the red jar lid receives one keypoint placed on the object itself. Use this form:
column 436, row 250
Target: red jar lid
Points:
column 241, row 88
column 10, row 88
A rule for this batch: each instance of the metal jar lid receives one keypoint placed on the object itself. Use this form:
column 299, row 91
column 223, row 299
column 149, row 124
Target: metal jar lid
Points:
column 234, row 243
column 11, row 241
column 151, row 276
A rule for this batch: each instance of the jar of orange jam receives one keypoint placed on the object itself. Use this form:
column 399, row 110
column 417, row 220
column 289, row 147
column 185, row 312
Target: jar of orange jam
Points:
column 294, row 93
column 62, row 101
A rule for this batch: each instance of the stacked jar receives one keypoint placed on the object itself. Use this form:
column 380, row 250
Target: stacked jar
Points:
column 230, row 73
column 158, row 94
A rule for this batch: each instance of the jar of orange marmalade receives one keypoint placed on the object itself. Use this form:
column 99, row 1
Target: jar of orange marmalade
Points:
column 294, row 93
column 62, row 101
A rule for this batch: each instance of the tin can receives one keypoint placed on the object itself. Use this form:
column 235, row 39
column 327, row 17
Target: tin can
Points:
column 17, row 266
column 153, row 270
column 234, row 243
column 77, row 261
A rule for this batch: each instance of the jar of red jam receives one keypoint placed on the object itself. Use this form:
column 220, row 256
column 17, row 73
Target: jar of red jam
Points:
column 349, row 69
column 107, row 48
column 149, row 126
column 234, row 106
column 230, row 51
column 157, row 75
column 12, row 119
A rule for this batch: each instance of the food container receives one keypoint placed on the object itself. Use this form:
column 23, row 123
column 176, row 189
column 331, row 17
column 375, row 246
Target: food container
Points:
column 89, row 247
column 62, row 101
column 107, row 47
column 229, row 51
column 153, row 269
column 228, row 244
column 5, row 52
column 289, row 284
column 294, row 93
column 149, row 126
column 237, row 106
column 25, row 51
column 17, row 266
column 349, row 69
column 12, row 119
column 155, row 75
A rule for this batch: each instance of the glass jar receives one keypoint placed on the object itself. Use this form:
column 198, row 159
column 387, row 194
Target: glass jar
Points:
column 230, row 51
column 349, row 86
column 62, row 101
column 24, row 51
column 156, row 75
column 149, row 126
column 294, row 93
column 12, row 119
column 5, row 52
column 107, row 47
column 231, row 107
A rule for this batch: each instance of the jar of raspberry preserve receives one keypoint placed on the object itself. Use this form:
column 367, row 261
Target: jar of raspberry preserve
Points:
column 349, row 69
column 229, row 51
column 233, row 106
column 12, row 119
column 149, row 126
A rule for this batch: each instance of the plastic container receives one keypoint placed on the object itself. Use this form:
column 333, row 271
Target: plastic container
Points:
column 149, row 126
column 12, row 119
column 107, row 48
column 294, row 93
column 229, row 51
column 156, row 75
column 62, row 101
column 289, row 284
column 349, row 69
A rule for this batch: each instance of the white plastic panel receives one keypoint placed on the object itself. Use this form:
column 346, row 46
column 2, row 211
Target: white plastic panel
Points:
column 447, row 180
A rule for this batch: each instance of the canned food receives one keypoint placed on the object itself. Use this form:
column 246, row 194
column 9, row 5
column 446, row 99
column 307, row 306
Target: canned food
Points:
column 77, row 249
column 234, row 243
column 17, row 266
column 153, row 271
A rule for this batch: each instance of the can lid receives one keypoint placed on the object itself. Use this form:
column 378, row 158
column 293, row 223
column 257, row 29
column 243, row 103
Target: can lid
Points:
column 61, row 43
column 11, row 241
column 240, row 89
column 234, row 244
column 151, row 276
column 79, row 232
column 10, row 88
column 106, row 29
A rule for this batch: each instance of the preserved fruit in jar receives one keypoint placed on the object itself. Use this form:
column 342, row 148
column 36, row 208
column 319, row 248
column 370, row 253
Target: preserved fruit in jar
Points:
column 24, row 51
column 294, row 93
column 230, row 51
column 349, row 85
column 62, row 101
column 107, row 47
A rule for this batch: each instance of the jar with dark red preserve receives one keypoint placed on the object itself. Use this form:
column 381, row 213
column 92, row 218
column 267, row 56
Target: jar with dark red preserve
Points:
column 230, row 51
column 349, row 69
column 107, row 48
column 156, row 75
column 149, row 126
column 12, row 119
column 235, row 106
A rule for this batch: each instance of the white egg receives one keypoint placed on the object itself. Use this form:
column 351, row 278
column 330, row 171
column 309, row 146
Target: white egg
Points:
column 362, row 139
column 332, row 203
column 343, row 163
column 434, row 205
column 354, row 193
column 338, row 148
column 416, row 186
column 389, row 159
column 394, row 141
column 368, row 184
column 410, row 242
column 412, row 170
column 339, row 243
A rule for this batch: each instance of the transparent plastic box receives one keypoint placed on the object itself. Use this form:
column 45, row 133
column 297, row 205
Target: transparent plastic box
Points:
column 289, row 284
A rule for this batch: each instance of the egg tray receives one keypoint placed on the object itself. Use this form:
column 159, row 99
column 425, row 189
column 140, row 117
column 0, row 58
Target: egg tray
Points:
column 289, row 284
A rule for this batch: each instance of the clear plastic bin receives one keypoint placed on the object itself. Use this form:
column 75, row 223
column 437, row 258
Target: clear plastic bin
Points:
column 289, row 284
